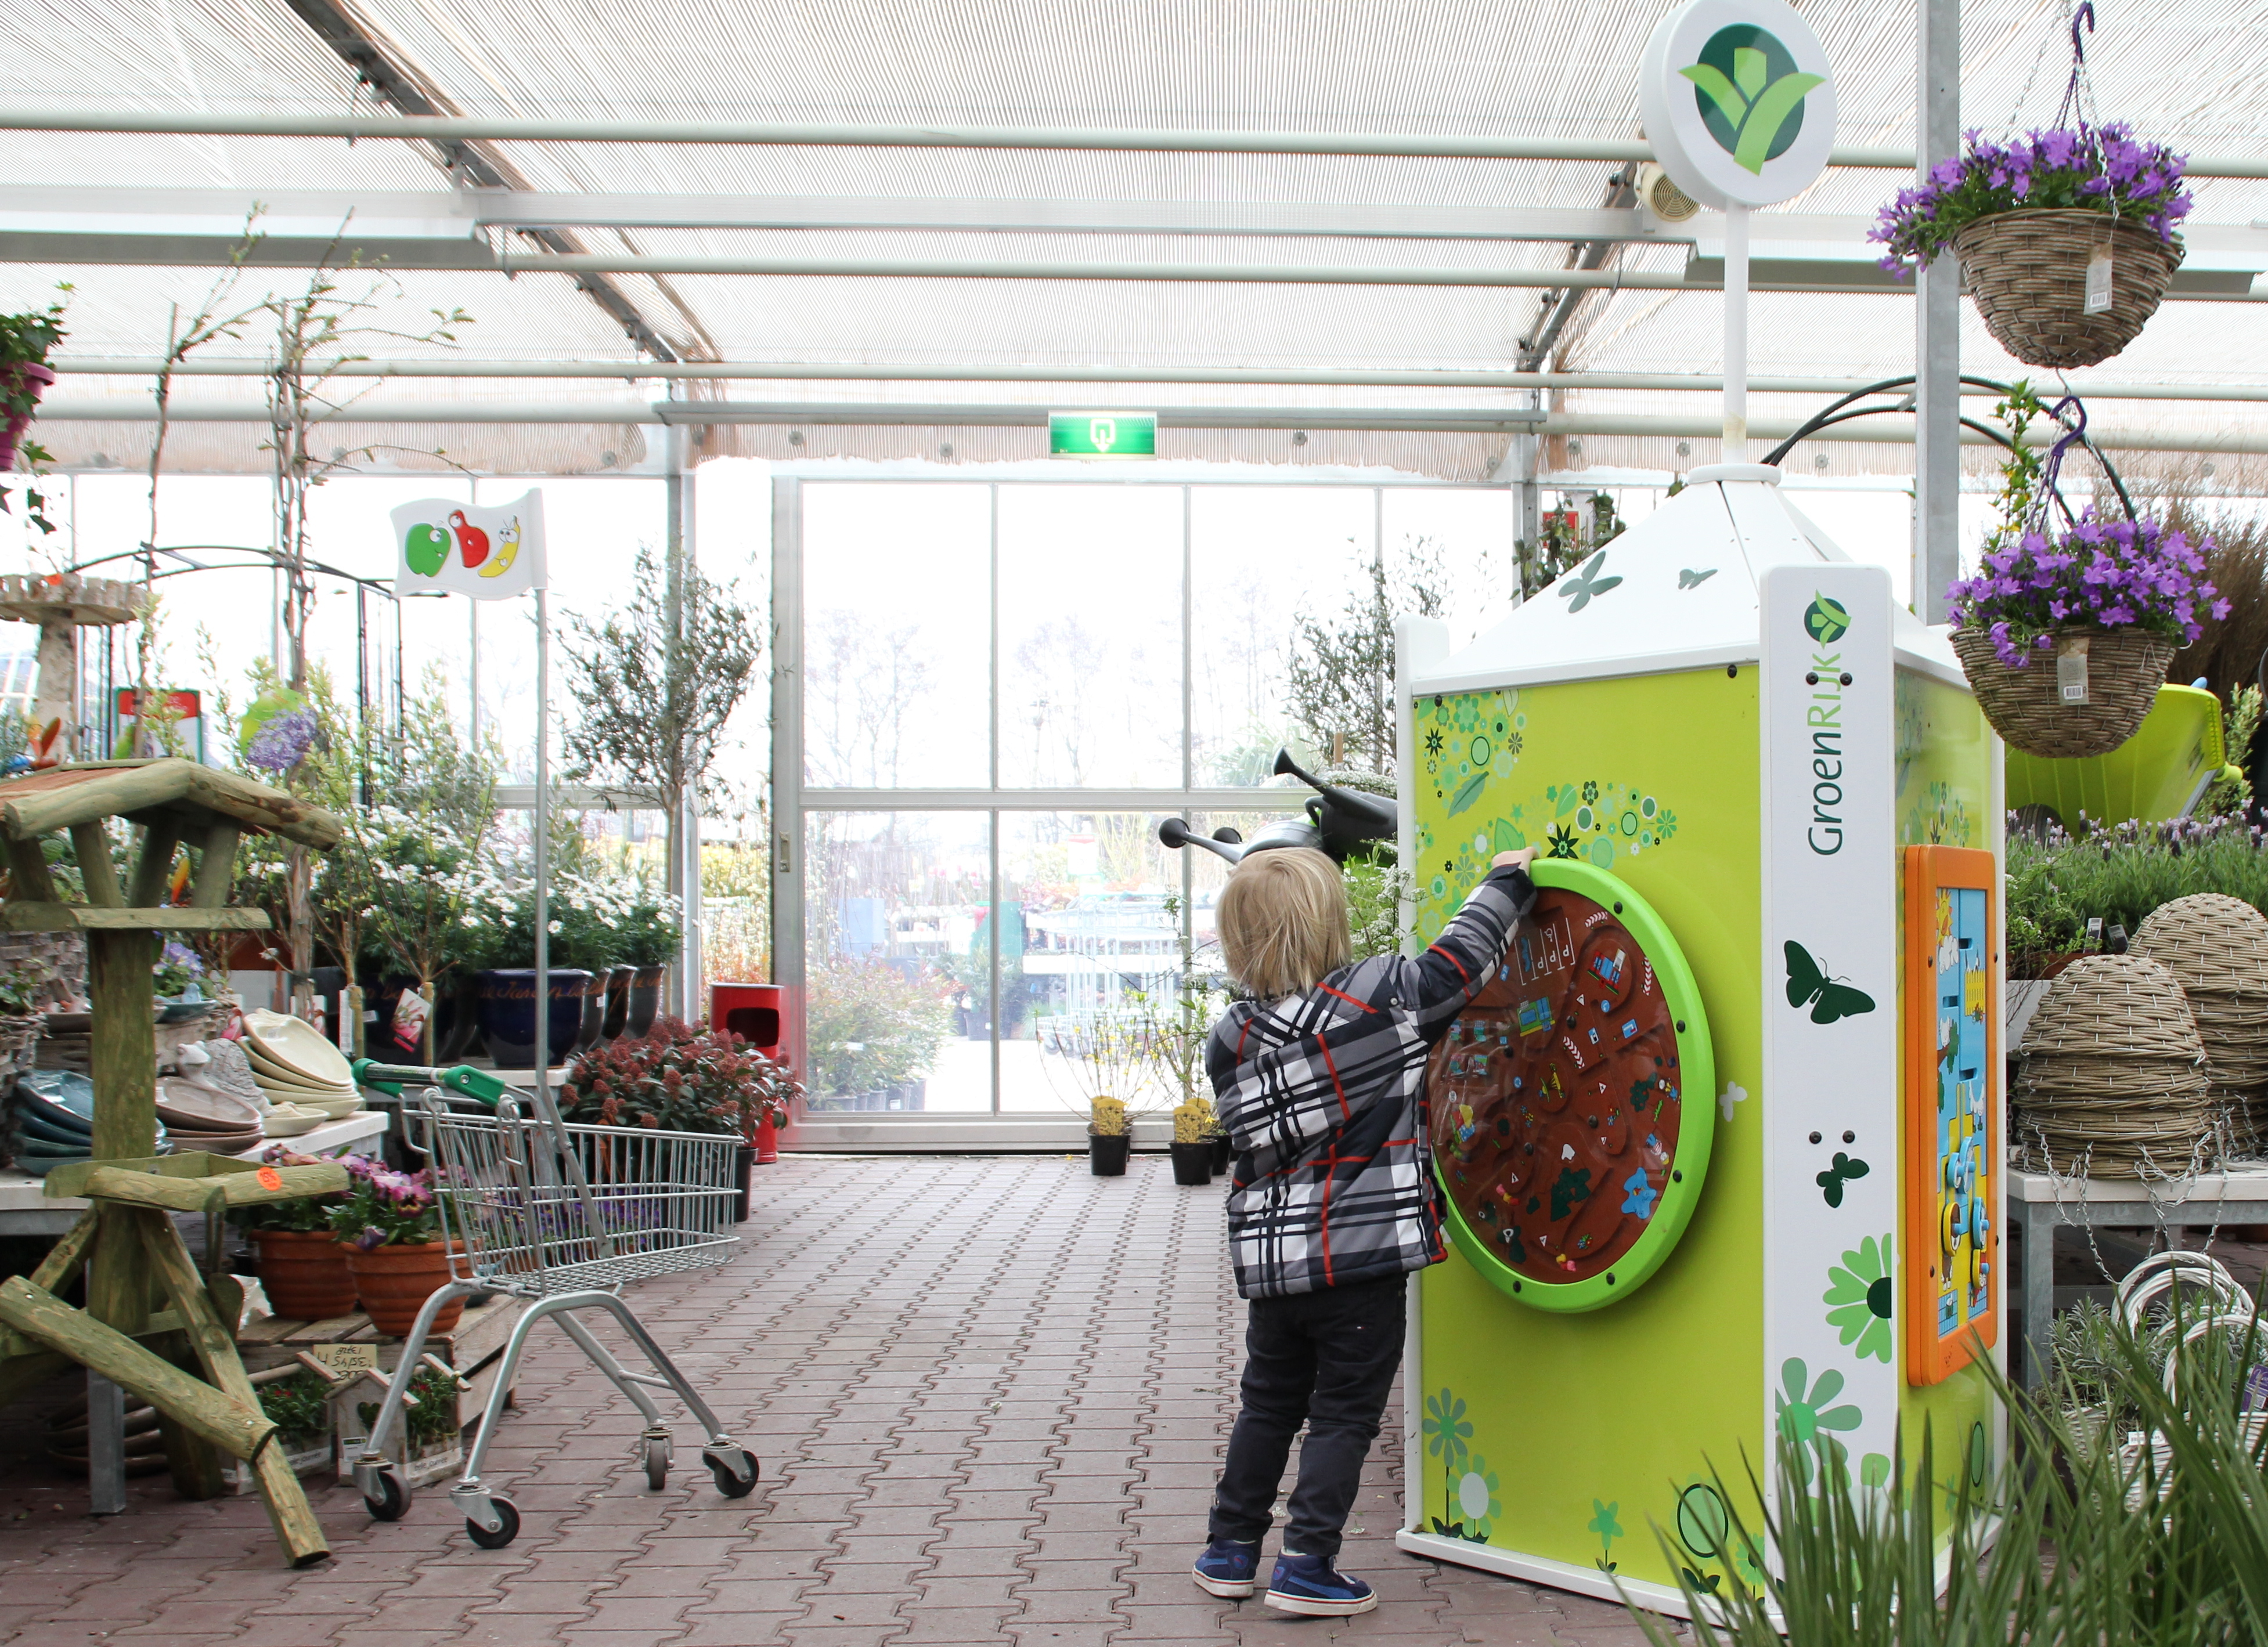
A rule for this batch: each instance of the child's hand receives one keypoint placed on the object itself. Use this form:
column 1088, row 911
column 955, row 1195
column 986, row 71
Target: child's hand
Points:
column 1521, row 859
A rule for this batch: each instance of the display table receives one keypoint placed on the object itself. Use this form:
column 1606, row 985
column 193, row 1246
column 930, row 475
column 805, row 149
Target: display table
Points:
column 25, row 1208
column 2037, row 1202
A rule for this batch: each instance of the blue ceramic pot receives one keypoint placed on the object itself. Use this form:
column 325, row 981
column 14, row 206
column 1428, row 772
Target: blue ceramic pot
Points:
column 506, row 1013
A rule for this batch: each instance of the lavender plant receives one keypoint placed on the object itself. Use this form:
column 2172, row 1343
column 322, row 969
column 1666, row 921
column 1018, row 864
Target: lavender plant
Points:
column 2093, row 168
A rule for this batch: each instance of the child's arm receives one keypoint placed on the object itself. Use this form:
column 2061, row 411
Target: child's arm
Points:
column 1439, row 983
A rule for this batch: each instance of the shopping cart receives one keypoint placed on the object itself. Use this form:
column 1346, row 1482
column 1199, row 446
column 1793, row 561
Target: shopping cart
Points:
column 563, row 1217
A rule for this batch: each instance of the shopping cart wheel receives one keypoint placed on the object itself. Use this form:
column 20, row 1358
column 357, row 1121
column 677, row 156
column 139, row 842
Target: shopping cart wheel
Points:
column 392, row 1501
column 733, row 1484
column 508, row 1514
column 657, row 1462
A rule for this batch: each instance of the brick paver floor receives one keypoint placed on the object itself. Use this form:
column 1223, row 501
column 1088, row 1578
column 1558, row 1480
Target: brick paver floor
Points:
column 989, row 1394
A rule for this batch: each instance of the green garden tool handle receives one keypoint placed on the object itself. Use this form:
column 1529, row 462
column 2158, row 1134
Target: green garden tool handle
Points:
column 391, row 1077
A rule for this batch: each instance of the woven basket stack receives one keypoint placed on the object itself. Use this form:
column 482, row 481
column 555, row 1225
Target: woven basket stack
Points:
column 2217, row 949
column 2114, row 1076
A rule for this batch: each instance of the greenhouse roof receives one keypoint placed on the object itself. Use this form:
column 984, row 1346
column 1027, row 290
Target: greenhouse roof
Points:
column 886, row 256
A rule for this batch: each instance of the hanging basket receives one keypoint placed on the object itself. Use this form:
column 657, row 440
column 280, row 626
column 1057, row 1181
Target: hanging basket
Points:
column 30, row 378
column 2027, row 272
column 2124, row 669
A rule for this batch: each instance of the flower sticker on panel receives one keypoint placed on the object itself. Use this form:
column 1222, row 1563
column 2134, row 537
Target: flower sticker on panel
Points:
column 1860, row 1294
column 1804, row 1417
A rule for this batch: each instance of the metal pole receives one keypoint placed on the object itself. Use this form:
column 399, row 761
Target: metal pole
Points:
column 674, row 607
column 542, row 816
column 787, row 911
column 1736, row 334
column 1937, row 333
column 106, row 1446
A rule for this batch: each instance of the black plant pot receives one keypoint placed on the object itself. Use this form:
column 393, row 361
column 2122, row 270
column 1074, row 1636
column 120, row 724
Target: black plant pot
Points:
column 594, row 1013
column 619, row 979
column 457, row 1017
column 507, row 1014
column 744, row 1176
column 1224, row 1154
column 1192, row 1162
column 1106, row 1152
column 646, row 1001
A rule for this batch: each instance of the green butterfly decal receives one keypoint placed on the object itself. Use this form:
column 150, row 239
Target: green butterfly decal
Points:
column 1808, row 985
column 1754, row 110
column 1688, row 579
column 1583, row 585
column 1844, row 1170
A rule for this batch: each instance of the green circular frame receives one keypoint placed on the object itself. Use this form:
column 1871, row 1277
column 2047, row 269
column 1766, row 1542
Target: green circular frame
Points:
column 1696, row 1132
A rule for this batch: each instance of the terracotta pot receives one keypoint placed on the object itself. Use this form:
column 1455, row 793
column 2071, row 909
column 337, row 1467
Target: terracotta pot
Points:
column 304, row 1273
column 395, row 1281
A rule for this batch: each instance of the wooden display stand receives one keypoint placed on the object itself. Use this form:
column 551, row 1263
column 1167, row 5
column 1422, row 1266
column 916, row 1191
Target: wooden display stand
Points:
column 126, row 1242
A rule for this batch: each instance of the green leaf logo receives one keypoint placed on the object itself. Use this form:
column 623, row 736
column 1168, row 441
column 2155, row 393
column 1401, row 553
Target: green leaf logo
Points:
column 1826, row 620
column 1750, row 94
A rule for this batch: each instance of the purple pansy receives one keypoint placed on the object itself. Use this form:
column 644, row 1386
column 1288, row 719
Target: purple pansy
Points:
column 2101, row 574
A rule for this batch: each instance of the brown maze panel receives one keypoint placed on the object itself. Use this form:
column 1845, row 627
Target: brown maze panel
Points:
column 1556, row 1095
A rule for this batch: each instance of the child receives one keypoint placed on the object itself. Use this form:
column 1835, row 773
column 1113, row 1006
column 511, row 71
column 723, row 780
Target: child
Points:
column 1321, row 1076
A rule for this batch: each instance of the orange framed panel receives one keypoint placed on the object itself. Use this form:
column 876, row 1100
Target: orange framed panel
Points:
column 1952, row 1138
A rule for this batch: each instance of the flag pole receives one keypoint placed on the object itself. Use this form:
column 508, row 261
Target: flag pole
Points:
column 543, row 850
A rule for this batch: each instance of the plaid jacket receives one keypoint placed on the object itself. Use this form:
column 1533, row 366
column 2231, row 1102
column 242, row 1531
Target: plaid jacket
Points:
column 1324, row 1096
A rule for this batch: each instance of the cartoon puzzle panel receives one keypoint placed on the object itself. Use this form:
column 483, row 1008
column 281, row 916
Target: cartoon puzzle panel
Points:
column 1954, row 1287
column 1557, row 1096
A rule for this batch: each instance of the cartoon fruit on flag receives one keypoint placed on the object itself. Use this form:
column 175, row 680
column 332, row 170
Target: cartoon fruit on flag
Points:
column 472, row 542
column 507, row 550
column 425, row 548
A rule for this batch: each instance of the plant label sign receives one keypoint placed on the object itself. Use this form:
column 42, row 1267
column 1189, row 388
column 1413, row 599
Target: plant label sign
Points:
column 1738, row 100
column 1831, row 997
column 488, row 552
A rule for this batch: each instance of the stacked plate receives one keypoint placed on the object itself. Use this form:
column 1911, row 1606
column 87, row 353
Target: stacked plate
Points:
column 51, row 1121
column 202, row 1119
column 296, row 1066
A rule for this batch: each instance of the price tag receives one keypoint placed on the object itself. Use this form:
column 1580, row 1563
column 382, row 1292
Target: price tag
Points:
column 269, row 1178
column 2071, row 672
column 346, row 1358
column 2098, row 282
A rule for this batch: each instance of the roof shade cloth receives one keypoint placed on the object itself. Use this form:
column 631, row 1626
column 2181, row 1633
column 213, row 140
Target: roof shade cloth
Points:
column 1526, row 68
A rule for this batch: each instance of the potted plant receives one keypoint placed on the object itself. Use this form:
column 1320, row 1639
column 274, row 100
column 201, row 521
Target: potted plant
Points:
column 680, row 1079
column 875, row 1030
column 434, row 1444
column 390, row 1223
column 1195, row 1127
column 1109, row 1136
column 298, row 1400
column 649, row 937
column 24, row 343
column 2066, row 631
column 303, row 1267
column 2066, row 239
column 1102, row 1059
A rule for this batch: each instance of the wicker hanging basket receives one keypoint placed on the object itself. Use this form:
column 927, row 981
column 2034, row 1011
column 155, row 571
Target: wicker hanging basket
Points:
column 2114, row 1078
column 2217, row 949
column 2124, row 669
column 2027, row 272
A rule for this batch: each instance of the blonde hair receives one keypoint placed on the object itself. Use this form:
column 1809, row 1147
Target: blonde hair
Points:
column 1282, row 921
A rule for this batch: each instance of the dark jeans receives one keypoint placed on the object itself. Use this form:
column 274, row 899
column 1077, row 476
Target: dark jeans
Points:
column 1326, row 1359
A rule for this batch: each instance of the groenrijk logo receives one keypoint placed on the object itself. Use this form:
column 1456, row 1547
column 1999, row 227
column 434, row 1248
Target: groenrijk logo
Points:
column 1825, row 621
column 1750, row 94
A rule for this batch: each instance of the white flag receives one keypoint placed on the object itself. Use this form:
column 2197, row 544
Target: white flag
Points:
column 490, row 552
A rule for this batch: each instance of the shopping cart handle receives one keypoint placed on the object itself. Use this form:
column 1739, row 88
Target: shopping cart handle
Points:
column 391, row 1078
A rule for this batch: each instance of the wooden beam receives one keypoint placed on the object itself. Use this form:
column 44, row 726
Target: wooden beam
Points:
column 219, row 1417
column 153, row 871
column 217, row 871
column 296, row 1529
column 194, row 1195
column 81, row 793
column 27, row 871
column 91, row 844
column 79, row 917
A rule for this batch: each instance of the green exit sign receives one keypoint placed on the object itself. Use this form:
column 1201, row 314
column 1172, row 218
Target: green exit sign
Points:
column 1102, row 434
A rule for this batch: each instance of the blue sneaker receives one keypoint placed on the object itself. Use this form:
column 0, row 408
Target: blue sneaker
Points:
column 1311, row 1585
column 1228, row 1570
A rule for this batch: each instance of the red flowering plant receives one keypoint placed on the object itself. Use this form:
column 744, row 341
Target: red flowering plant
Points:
column 680, row 1079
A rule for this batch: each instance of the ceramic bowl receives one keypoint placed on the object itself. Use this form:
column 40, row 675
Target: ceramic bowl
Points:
column 290, row 1121
column 296, row 1046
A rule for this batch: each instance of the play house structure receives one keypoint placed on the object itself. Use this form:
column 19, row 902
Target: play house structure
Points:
column 1721, row 1139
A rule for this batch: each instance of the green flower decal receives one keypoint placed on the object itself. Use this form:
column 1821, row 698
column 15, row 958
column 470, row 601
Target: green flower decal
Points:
column 1603, row 1523
column 1874, row 1471
column 1447, row 1429
column 1804, row 1414
column 1476, row 1500
column 1562, row 841
column 1862, row 1294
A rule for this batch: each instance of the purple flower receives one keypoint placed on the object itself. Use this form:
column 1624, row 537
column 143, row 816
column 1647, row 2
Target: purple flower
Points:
column 282, row 742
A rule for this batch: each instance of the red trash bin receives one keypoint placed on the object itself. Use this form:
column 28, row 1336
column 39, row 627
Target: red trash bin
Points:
column 751, row 1010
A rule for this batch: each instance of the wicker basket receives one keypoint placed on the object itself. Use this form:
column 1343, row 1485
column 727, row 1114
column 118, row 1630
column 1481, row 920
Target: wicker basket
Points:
column 2124, row 669
column 2027, row 272
column 2114, row 1077
column 2217, row 948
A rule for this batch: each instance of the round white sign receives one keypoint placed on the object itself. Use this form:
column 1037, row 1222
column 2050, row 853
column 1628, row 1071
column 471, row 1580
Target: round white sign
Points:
column 1739, row 101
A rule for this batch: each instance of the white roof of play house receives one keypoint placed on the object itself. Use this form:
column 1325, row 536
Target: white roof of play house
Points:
column 1686, row 598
